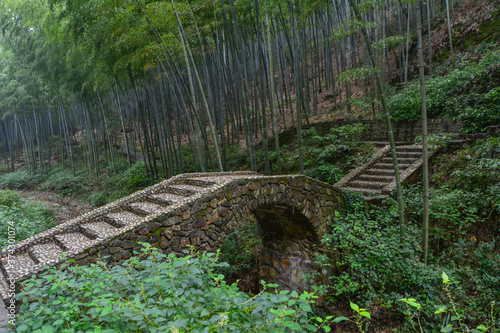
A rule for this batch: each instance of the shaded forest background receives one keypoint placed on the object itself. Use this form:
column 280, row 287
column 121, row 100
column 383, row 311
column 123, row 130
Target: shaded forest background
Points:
column 186, row 86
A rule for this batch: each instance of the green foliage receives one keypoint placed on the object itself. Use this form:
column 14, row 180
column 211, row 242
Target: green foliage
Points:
column 328, row 173
column 21, row 179
column 131, row 180
column 326, row 157
column 361, row 317
column 9, row 198
column 450, row 315
column 436, row 140
column 241, row 248
column 355, row 74
column 98, row 199
column 21, row 219
column 470, row 92
column 339, row 142
column 373, row 268
column 65, row 182
column 158, row 294
column 370, row 263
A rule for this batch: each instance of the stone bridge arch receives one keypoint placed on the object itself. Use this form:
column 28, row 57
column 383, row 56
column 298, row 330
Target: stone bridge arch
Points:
column 293, row 212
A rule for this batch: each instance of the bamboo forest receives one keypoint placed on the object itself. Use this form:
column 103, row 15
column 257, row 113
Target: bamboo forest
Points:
column 250, row 165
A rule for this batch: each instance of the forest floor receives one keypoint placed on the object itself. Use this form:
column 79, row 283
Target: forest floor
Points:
column 64, row 207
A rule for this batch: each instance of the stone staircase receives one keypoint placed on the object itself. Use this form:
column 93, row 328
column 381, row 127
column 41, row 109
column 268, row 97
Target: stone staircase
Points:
column 32, row 255
column 375, row 179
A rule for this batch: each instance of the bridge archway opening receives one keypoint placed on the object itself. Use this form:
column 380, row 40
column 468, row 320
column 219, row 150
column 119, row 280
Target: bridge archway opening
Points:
column 288, row 240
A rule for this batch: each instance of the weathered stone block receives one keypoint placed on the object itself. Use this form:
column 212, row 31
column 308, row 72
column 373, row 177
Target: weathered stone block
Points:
column 143, row 231
column 127, row 244
column 168, row 233
column 125, row 254
column 114, row 249
column 152, row 238
column 163, row 242
column 153, row 226
column 185, row 242
column 82, row 262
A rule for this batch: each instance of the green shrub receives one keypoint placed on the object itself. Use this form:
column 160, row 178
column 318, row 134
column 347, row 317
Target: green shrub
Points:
column 370, row 262
column 157, row 294
column 471, row 93
column 341, row 141
column 98, row 199
column 65, row 182
column 22, row 218
column 10, row 198
column 327, row 173
column 133, row 179
column 21, row 179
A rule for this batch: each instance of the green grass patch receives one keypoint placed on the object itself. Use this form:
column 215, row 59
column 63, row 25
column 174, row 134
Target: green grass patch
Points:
column 21, row 218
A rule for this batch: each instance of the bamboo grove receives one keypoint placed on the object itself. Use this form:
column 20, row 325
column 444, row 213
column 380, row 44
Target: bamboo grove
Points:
column 184, row 81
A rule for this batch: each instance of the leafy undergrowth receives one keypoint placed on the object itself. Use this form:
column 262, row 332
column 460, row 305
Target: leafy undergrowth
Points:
column 471, row 92
column 158, row 293
column 327, row 158
column 21, row 218
column 376, row 272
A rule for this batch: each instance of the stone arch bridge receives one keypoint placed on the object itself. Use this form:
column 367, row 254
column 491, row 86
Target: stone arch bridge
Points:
column 293, row 213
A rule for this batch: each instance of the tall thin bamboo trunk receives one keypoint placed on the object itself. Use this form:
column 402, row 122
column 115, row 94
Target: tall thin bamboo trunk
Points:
column 381, row 90
column 425, row 153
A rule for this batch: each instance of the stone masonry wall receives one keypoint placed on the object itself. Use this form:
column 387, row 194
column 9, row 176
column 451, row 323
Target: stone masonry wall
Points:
column 404, row 131
column 293, row 213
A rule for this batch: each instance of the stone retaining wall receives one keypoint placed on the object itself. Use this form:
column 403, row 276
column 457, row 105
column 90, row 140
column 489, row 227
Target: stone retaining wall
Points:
column 404, row 131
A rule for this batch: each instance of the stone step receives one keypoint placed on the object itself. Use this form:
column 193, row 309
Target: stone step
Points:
column 101, row 229
column 409, row 154
column 145, row 208
column 408, row 149
column 74, row 241
column 385, row 166
column 383, row 143
column 121, row 218
column 22, row 263
column 166, row 199
column 47, row 253
column 200, row 182
column 366, row 184
column 379, row 171
column 363, row 190
column 183, row 190
column 401, row 160
column 376, row 178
